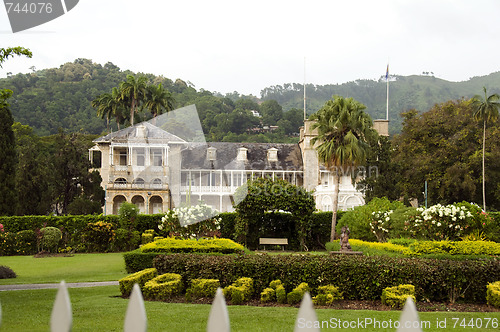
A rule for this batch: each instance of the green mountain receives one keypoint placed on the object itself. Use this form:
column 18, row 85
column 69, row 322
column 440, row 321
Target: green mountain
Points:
column 55, row 98
column 405, row 93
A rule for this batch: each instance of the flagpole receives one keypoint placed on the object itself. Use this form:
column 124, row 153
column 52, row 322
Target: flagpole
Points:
column 305, row 114
column 387, row 102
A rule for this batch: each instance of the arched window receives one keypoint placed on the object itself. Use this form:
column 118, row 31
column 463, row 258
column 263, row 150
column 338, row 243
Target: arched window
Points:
column 120, row 182
column 138, row 183
column 156, row 183
column 326, row 203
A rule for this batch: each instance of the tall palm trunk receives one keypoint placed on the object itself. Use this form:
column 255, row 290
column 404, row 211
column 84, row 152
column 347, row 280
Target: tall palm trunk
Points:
column 335, row 206
column 484, row 143
column 132, row 112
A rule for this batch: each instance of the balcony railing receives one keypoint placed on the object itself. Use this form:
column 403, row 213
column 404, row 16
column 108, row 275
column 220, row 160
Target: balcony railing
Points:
column 137, row 186
column 208, row 189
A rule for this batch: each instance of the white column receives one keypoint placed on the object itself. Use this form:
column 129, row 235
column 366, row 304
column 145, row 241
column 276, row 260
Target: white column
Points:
column 147, row 163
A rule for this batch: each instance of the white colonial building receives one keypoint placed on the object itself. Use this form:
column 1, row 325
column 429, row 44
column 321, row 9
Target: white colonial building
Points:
column 156, row 170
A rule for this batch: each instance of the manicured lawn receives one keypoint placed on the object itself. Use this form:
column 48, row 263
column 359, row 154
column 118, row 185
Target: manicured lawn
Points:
column 78, row 268
column 101, row 309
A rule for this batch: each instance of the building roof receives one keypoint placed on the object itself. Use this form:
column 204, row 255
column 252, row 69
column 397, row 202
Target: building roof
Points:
column 289, row 156
column 141, row 132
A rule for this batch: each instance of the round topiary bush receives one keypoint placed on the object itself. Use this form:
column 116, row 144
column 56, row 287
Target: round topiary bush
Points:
column 50, row 237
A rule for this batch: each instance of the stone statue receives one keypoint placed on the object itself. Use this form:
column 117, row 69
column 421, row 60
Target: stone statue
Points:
column 344, row 239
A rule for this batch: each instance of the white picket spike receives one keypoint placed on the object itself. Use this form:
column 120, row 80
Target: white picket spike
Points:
column 218, row 320
column 61, row 319
column 136, row 319
column 306, row 317
column 409, row 321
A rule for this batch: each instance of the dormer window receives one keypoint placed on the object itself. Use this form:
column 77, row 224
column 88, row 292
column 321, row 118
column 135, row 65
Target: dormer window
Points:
column 242, row 154
column 141, row 131
column 272, row 155
column 211, row 153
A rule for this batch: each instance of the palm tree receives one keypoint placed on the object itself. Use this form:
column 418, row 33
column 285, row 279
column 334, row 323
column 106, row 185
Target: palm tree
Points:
column 109, row 105
column 158, row 100
column 485, row 110
column 132, row 92
column 344, row 130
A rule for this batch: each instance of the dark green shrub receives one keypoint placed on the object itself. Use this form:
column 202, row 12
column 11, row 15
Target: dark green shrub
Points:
column 6, row 272
column 99, row 236
column 202, row 288
column 137, row 260
column 396, row 296
column 296, row 295
column 126, row 240
column 26, row 242
column 435, row 280
column 9, row 244
column 327, row 295
column 50, row 237
column 361, row 219
column 139, row 278
column 240, row 291
column 127, row 214
column 163, row 286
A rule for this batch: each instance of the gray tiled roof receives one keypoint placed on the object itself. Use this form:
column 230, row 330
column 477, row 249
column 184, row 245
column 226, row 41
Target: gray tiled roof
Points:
column 289, row 156
column 133, row 134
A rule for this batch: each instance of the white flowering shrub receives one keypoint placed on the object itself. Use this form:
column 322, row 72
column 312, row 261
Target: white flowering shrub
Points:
column 380, row 224
column 450, row 222
column 191, row 222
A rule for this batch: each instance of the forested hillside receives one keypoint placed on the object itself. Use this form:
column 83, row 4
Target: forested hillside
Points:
column 55, row 98
column 405, row 92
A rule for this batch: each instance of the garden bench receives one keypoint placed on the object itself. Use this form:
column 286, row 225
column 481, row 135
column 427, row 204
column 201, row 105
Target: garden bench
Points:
column 273, row 241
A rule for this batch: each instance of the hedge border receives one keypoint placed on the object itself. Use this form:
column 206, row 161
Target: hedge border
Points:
column 358, row 278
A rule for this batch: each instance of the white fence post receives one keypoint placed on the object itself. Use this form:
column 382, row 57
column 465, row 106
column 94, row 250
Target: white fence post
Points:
column 218, row 320
column 306, row 317
column 61, row 319
column 136, row 319
column 409, row 321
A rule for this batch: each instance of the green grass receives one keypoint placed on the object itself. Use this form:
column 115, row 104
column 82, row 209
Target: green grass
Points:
column 77, row 268
column 101, row 309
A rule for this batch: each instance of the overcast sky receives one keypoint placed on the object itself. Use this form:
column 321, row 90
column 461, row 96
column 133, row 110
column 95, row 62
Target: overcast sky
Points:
column 246, row 46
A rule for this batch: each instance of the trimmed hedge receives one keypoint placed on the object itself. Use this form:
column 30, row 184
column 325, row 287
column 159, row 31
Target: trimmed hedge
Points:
column 139, row 278
column 327, row 295
column 396, row 296
column 296, row 295
column 202, row 288
column 417, row 248
column 493, row 294
column 240, row 291
column 435, row 280
column 137, row 260
column 171, row 245
column 163, row 286
column 73, row 229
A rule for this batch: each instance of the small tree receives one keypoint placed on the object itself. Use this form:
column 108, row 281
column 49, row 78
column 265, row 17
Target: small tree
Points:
column 262, row 195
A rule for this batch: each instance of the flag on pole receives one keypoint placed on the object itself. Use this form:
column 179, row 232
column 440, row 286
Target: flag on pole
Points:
column 387, row 73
